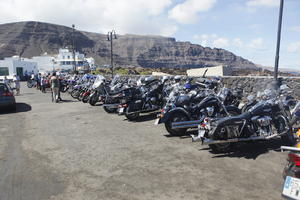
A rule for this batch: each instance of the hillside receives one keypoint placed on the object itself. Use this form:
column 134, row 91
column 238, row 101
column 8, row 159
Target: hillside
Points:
column 34, row 38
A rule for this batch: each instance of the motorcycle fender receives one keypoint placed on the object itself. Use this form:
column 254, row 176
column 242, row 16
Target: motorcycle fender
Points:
column 171, row 112
column 93, row 93
column 233, row 108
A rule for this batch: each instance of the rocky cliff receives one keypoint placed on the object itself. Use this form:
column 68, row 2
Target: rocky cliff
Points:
column 34, row 38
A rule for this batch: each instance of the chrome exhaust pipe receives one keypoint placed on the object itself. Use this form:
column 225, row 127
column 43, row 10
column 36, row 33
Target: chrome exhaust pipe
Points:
column 210, row 141
column 186, row 124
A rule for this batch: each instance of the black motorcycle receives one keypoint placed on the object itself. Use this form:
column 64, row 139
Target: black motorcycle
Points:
column 147, row 99
column 267, row 119
column 184, row 113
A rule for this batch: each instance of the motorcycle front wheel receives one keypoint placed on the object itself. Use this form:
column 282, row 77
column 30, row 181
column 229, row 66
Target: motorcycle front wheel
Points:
column 30, row 84
column 74, row 94
column 93, row 99
column 85, row 99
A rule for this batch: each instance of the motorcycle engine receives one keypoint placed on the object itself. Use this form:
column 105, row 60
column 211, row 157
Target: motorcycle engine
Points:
column 264, row 125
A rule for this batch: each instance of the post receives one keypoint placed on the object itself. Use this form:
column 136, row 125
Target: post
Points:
column 278, row 42
column 110, row 36
column 73, row 48
column 111, row 55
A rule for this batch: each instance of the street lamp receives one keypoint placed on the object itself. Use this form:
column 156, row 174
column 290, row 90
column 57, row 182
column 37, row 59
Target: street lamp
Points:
column 73, row 48
column 278, row 43
column 110, row 36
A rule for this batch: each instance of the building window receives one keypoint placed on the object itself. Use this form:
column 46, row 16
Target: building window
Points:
column 63, row 57
column 68, row 62
column 68, row 57
column 4, row 71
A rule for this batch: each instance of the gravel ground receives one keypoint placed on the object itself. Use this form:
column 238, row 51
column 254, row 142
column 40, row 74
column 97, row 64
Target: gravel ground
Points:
column 72, row 150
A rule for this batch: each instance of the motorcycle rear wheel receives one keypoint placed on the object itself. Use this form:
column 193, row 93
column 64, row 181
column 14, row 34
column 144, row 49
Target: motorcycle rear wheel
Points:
column 109, row 110
column 132, row 116
column 177, row 117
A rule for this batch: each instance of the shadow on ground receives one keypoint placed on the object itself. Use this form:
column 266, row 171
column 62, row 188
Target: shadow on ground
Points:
column 66, row 101
column 182, row 136
column 251, row 150
column 21, row 107
column 144, row 117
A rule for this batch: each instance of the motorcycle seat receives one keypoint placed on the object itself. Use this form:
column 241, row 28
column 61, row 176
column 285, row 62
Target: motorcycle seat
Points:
column 234, row 119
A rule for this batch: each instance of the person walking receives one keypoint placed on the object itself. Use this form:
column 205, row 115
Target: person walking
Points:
column 16, row 80
column 55, row 87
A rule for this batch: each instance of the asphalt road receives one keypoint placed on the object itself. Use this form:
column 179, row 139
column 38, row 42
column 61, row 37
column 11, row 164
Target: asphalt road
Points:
column 72, row 150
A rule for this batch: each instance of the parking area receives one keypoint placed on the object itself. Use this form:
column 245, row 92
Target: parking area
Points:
column 72, row 150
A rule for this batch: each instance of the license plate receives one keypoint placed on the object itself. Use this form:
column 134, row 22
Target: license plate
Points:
column 121, row 110
column 201, row 133
column 291, row 188
column 156, row 121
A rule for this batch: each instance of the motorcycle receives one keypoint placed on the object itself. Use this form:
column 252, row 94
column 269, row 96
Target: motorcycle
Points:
column 184, row 113
column 150, row 99
column 267, row 119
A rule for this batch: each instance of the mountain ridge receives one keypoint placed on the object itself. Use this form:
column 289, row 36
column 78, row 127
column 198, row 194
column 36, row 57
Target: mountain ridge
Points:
column 31, row 38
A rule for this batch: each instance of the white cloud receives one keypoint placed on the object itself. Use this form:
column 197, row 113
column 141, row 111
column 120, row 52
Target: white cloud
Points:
column 293, row 47
column 295, row 28
column 256, row 43
column 205, row 39
column 134, row 16
column 221, row 42
column 237, row 42
column 186, row 12
column 267, row 3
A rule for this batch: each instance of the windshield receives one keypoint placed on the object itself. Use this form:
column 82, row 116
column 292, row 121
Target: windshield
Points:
column 99, row 80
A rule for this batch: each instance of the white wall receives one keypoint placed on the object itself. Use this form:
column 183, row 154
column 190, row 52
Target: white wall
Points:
column 14, row 62
column 9, row 65
column 211, row 71
column 44, row 63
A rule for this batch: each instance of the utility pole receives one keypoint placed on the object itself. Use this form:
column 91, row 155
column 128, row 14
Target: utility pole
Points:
column 73, row 48
column 278, row 43
column 110, row 36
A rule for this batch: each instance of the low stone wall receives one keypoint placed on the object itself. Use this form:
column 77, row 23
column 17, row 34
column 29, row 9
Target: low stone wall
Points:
column 252, row 85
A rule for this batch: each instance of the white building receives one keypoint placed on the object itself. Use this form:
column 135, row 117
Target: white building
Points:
column 45, row 62
column 18, row 66
column 65, row 60
column 211, row 71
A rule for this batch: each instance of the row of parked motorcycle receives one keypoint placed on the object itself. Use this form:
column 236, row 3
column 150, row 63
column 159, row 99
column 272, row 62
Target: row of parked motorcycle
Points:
column 222, row 116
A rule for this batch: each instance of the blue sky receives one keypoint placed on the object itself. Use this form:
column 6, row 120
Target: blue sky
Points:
column 246, row 27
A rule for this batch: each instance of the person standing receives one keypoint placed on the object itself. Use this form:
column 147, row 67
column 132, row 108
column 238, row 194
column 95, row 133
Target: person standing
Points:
column 5, row 80
column 43, row 84
column 16, row 80
column 55, row 87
